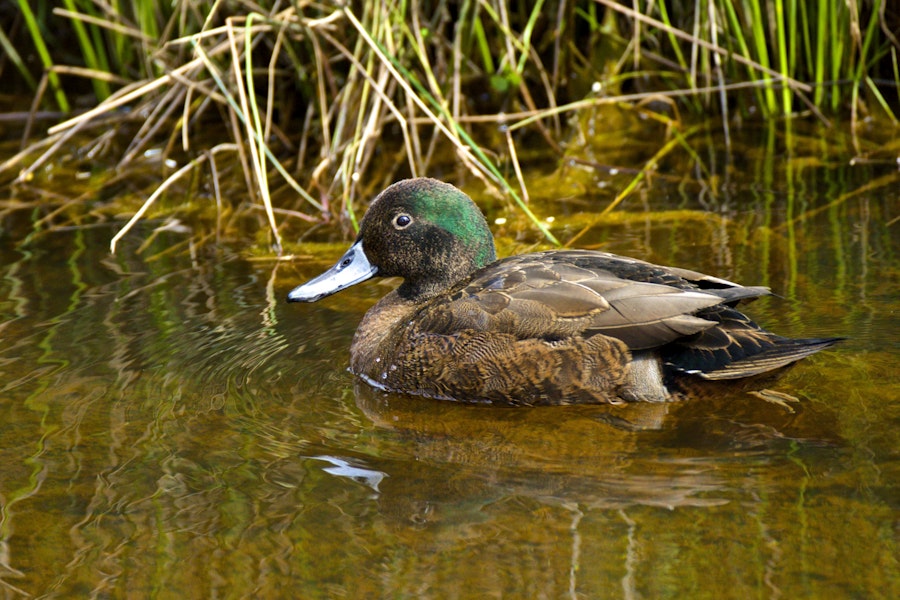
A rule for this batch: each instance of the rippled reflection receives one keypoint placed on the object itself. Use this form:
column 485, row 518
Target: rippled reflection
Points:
column 171, row 428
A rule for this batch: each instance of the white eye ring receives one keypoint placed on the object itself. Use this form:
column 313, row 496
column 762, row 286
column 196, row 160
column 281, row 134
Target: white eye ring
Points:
column 402, row 221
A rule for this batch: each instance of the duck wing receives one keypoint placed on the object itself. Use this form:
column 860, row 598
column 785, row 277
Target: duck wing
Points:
column 559, row 294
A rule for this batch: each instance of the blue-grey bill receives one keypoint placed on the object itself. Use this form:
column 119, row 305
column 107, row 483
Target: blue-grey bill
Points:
column 352, row 268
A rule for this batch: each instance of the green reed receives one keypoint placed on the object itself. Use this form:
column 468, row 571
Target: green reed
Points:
column 321, row 104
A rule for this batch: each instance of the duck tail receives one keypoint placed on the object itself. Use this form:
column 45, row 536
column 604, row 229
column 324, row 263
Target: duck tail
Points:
column 736, row 347
column 780, row 352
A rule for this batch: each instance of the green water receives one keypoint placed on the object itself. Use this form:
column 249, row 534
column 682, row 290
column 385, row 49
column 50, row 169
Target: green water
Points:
column 171, row 428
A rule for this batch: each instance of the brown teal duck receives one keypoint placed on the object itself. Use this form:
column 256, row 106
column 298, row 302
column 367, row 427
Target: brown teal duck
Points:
column 555, row 327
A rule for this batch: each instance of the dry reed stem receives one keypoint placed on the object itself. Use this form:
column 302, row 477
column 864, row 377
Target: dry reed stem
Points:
column 59, row 140
column 153, row 123
column 533, row 116
column 149, row 201
column 464, row 150
column 88, row 74
column 243, row 111
column 514, row 158
column 127, row 31
column 254, row 138
column 236, row 113
column 115, row 101
column 479, row 164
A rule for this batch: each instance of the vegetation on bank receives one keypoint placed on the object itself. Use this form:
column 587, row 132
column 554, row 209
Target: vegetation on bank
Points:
column 319, row 104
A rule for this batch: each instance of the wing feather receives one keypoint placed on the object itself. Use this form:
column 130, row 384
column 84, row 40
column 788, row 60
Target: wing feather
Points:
column 567, row 295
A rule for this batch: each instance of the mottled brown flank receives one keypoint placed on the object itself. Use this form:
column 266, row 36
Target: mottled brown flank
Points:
column 483, row 366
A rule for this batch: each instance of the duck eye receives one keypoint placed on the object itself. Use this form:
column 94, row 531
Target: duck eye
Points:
column 402, row 221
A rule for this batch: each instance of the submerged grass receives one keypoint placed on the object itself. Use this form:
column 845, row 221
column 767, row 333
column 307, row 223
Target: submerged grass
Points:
column 322, row 103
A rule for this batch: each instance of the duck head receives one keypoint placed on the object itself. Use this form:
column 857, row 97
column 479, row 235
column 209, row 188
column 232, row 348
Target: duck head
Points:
column 426, row 231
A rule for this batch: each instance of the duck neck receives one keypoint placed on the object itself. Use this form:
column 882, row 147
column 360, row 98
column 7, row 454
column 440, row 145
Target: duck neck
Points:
column 451, row 261
column 422, row 291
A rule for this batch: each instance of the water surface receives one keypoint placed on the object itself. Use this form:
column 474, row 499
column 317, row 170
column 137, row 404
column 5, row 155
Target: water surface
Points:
column 172, row 428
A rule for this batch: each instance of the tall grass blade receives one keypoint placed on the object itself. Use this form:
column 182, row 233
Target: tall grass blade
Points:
column 93, row 51
column 37, row 38
column 758, row 32
column 13, row 54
